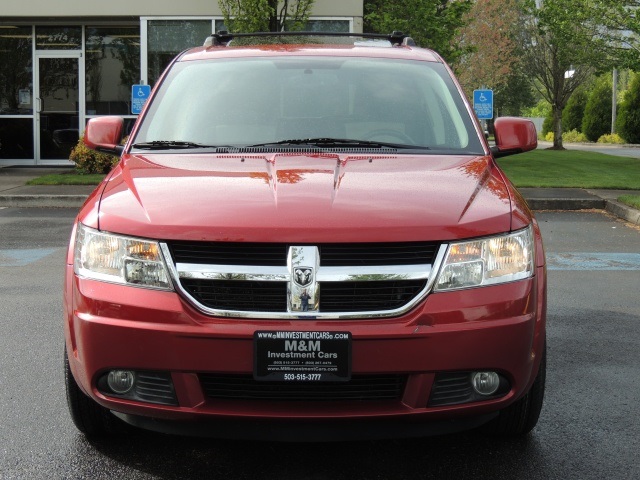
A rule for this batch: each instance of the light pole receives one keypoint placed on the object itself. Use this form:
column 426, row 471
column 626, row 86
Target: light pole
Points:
column 614, row 101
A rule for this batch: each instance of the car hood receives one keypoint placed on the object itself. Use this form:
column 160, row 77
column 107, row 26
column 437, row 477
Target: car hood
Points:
column 305, row 198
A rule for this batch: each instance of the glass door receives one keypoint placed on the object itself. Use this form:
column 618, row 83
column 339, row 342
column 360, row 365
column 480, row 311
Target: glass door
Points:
column 57, row 106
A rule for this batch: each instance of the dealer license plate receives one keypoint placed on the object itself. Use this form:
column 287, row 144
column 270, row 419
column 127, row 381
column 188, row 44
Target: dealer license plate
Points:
column 302, row 356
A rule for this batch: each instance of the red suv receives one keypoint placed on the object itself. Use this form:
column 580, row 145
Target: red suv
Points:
column 306, row 238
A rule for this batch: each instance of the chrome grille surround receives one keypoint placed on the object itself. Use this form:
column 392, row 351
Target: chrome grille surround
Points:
column 287, row 274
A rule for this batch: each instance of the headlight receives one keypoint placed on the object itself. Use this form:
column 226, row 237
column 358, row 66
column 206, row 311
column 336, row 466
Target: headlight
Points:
column 118, row 259
column 488, row 261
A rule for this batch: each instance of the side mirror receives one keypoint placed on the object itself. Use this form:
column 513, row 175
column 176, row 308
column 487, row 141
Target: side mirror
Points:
column 104, row 134
column 514, row 135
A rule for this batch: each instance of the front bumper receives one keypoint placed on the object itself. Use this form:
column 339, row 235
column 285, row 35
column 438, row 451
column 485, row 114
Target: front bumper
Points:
column 498, row 328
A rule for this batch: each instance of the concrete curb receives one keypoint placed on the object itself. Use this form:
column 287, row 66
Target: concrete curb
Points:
column 42, row 201
column 623, row 211
column 566, row 203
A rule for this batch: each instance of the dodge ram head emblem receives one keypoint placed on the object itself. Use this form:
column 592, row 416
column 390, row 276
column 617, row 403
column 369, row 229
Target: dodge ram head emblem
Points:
column 303, row 276
column 303, row 291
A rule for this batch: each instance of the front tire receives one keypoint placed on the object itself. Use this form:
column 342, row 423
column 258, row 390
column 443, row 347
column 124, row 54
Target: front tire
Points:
column 519, row 418
column 89, row 417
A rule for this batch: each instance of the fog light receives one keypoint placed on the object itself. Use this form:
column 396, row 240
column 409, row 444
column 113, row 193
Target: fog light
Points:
column 485, row 383
column 121, row 381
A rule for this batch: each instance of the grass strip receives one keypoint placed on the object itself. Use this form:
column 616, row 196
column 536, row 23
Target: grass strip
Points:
column 631, row 200
column 572, row 169
column 68, row 179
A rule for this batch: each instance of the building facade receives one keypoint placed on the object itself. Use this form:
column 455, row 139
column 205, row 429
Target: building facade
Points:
column 66, row 61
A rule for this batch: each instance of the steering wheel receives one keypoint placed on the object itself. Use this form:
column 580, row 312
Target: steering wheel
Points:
column 387, row 132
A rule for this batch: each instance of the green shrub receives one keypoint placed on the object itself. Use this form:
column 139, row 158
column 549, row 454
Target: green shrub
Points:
column 574, row 111
column 597, row 114
column 574, row 136
column 541, row 109
column 90, row 161
column 549, row 137
column 610, row 138
column 628, row 123
column 547, row 125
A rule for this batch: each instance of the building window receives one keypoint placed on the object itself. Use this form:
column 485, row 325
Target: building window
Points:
column 58, row 38
column 16, row 90
column 313, row 25
column 112, row 67
column 167, row 38
column 16, row 138
column 342, row 26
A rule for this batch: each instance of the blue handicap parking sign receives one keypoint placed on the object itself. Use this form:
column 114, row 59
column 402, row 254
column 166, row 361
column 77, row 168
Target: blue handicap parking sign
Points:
column 139, row 96
column 483, row 104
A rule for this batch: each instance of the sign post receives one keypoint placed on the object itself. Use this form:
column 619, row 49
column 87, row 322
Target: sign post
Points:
column 139, row 96
column 483, row 104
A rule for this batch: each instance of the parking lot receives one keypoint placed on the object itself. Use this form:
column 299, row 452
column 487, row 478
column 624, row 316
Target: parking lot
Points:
column 589, row 427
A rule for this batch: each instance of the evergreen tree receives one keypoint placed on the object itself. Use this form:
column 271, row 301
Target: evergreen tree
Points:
column 597, row 113
column 574, row 111
column 628, row 123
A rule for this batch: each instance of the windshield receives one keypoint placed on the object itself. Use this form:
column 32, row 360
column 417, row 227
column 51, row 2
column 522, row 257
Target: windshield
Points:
column 276, row 100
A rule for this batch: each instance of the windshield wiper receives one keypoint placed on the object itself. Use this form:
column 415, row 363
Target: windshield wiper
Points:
column 325, row 142
column 169, row 144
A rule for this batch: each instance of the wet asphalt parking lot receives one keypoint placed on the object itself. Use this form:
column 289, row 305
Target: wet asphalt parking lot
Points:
column 589, row 427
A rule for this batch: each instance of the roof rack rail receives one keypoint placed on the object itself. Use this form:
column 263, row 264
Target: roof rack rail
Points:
column 223, row 38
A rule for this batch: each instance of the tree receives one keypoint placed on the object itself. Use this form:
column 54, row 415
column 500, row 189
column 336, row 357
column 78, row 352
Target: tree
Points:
column 493, row 55
column 597, row 113
column 621, row 25
column 265, row 15
column 628, row 124
column 489, row 39
column 515, row 95
column 571, row 39
column 431, row 23
column 562, row 51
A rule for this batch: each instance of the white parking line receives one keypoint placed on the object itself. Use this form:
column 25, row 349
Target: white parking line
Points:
column 22, row 257
column 593, row 261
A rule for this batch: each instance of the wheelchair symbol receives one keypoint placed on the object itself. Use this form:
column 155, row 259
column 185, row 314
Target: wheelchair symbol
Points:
column 141, row 92
column 483, row 98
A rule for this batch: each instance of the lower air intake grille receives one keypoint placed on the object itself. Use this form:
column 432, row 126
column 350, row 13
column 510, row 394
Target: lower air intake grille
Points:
column 155, row 388
column 451, row 389
column 244, row 387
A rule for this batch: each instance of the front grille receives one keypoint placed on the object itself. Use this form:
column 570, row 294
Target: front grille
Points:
column 224, row 253
column 367, row 296
column 359, row 388
column 331, row 254
column 238, row 295
column 260, row 278
column 357, row 254
column 248, row 296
